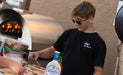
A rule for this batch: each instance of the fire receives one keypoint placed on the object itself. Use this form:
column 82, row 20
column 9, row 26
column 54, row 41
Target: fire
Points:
column 3, row 26
column 11, row 27
column 17, row 26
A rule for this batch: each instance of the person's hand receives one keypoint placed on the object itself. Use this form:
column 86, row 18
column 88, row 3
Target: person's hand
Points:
column 33, row 55
column 98, row 73
column 17, row 68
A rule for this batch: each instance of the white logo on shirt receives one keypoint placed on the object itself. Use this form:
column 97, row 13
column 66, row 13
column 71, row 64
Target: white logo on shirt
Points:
column 87, row 45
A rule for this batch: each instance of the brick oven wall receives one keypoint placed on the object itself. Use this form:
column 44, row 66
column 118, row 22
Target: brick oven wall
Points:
column 61, row 11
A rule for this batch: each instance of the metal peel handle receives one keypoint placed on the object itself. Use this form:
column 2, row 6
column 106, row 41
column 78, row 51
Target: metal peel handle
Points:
column 37, row 63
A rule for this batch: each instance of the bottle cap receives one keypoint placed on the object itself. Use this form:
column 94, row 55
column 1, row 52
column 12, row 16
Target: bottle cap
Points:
column 56, row 55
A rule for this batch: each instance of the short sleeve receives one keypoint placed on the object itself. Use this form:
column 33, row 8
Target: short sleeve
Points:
column 100, row 53
column 58, row 45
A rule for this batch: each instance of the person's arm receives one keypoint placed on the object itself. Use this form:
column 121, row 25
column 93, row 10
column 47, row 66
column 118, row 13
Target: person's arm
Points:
column 45, row 54
column 99, row 57
column 12, row 65
column 98, row 70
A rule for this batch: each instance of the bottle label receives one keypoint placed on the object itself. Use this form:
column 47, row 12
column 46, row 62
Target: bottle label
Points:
column 52, row 70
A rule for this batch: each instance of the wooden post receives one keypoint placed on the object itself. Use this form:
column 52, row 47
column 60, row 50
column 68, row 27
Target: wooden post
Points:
column 27, row 4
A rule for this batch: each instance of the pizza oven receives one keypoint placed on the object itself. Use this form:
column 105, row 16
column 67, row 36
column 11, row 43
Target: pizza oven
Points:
column 11, row 23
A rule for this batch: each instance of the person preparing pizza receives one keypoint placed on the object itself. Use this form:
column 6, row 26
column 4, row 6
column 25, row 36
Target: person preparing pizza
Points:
column 83, row 49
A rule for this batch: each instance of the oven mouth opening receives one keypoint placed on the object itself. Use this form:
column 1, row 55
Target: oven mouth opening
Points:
column 12, row 28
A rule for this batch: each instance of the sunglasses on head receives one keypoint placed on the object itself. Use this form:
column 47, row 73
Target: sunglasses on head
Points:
column 78, row 21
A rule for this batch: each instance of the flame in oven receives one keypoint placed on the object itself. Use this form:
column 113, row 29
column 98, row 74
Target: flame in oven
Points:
column 11, row 27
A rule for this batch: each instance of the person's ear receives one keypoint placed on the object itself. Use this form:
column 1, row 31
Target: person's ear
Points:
column 91, row 19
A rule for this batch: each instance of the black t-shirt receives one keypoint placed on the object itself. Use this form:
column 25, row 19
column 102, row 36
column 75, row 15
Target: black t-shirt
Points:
column 81, row 52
